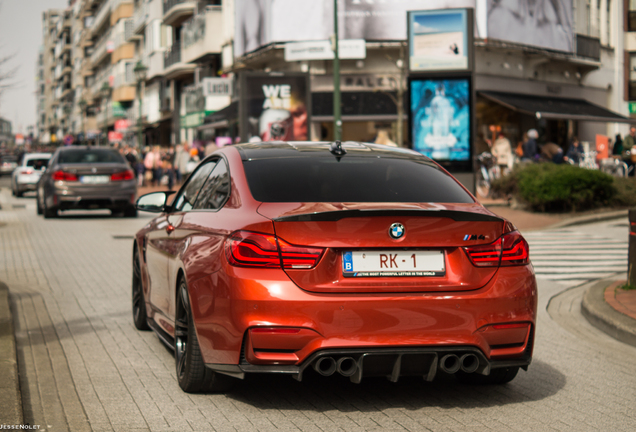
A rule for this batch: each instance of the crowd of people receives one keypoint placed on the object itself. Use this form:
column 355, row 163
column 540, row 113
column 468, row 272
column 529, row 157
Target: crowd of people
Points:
column 529, row 150
column 164, row 166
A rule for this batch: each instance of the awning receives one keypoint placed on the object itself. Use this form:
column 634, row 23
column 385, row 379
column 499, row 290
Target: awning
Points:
column 221, row 118
column 555, row 108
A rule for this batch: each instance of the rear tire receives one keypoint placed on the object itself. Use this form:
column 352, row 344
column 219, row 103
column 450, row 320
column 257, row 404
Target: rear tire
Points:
column 497, row 377
column 49, row 213
column 38, row 206
column 192, row 374
column 140, row 317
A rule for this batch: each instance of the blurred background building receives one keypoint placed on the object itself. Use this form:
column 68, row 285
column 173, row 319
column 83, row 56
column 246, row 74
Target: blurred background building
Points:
column 564, row 67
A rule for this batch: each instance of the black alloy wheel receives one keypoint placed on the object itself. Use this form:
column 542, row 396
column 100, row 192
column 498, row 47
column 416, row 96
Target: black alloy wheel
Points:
column 140, row 317
column 496, row 377
column 192, row 374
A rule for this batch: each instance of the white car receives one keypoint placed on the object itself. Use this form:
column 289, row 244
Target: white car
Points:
column 26, row 176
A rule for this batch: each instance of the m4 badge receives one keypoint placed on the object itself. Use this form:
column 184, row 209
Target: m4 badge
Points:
column 474, row 237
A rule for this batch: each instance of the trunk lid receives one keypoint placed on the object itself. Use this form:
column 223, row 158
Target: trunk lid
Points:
column 363, row 229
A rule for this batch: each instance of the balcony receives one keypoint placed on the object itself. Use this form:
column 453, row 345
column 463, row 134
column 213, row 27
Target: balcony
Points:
column 102, row 48
column 139, row 19
column 176, row 11
column 202, row 34
column 173, row 65
column 588, row 47
column 101, row 14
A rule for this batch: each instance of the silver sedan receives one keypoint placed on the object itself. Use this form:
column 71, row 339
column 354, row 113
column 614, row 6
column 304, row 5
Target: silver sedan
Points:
column 26, row 176
column 87, row 178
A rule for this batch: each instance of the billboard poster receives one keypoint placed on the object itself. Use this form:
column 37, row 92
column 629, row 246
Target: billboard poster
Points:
column 261, row 22
column 439, row 40
column 542, row 23
column 275, row 107
column 441, row 118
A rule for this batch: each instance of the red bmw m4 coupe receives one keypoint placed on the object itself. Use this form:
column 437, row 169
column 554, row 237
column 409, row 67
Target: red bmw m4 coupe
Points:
column 345, row 258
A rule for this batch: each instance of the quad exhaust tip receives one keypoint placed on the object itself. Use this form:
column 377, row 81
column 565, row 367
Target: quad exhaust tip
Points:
column 450, row 363
column 346, row 366
column 469, row 363
column 325, row 366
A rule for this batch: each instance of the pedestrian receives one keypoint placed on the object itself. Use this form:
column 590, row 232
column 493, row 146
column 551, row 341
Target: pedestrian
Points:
column 553, row 153
column 502, row 150
column 149, row 166
column 530, row 146
column 210, row 148
column 575, row 151
column 181, row 161
column 617, row 150
column 628, row 149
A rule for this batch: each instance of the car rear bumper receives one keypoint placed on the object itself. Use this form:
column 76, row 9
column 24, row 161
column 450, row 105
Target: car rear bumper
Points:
column 88, row 198
column 362, row 324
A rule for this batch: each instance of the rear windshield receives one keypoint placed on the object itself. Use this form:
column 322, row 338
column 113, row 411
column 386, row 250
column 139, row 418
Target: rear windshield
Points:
column 81, row 156
column 352, row 179
column 37, row 163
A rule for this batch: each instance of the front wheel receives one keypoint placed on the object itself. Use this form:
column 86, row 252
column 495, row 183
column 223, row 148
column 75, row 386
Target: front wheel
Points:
column 192, row 374
column 496, row 377
column 38, row 206
column 140, row 317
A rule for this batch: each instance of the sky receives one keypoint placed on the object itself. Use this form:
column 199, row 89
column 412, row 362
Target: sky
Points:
column 21, row 34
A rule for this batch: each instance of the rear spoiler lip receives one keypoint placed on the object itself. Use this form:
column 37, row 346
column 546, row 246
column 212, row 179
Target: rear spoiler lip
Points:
column 334, row 216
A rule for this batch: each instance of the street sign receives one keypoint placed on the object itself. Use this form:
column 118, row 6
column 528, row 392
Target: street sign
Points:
column 115, row 136
column 632, row 107
column 122, row 125
column 321, row 50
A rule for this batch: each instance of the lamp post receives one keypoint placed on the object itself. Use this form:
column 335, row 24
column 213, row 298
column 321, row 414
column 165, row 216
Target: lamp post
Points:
column 337, row 123
column 106, row 89
column 140, row 73
column 82, row 105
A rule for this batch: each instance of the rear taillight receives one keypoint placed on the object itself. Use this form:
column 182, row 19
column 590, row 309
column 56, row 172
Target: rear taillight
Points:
column 26, row 171
column 510, row 249
column 249, row 249
column 124, row 175
column 63, row 176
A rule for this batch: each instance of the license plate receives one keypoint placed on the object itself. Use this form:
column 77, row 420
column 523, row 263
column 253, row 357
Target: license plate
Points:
column 94, row 179
column 393, row 263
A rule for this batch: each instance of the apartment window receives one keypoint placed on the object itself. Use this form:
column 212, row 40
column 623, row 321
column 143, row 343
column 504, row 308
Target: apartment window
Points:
column 631, row 21
column 608, row 29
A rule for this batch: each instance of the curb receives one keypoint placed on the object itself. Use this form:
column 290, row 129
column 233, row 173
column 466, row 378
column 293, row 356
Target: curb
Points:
column 581, row 220
column 605, row 318
column 10, row 396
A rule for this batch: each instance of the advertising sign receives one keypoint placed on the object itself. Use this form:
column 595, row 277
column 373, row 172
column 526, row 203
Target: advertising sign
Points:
column 441, row 118
column 440, row 40
column 546, row 24
column 261, row 22
column 115, row 136
column 275, row 106
column 322, row 50
column 217, row 86
column 122, row 125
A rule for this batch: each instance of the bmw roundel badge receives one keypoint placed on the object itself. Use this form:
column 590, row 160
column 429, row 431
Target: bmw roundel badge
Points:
column 396, row 230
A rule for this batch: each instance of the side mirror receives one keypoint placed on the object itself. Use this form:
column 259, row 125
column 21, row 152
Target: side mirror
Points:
column 154, row 202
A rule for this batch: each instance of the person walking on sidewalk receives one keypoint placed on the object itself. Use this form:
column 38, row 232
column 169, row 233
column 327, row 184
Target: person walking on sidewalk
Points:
column 628, row 149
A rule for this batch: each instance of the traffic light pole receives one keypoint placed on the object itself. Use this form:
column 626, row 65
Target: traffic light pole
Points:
column 337, row 123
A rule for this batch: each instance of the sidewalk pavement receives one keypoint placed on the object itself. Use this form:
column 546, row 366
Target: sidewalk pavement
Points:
column 611, row 309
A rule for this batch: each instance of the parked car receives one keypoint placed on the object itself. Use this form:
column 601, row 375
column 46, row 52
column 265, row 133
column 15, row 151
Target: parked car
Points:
column 27, row 175
column 355, row 259
column 87, row 178
column 7, row 164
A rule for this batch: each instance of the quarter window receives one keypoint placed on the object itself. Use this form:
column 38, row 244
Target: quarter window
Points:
column 188, row 194
column 216, row 190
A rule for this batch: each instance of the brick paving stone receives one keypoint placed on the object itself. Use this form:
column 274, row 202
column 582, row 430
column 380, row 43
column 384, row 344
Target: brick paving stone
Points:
column 84, row 367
